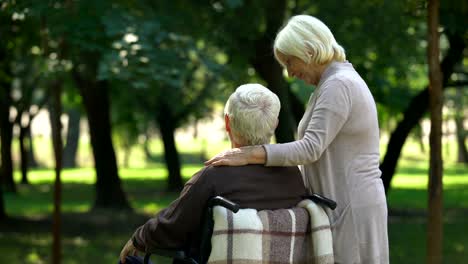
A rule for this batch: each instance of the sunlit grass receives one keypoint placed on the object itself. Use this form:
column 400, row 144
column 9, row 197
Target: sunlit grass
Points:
column 405, row 181
column 88, row 175
column 409, row 185
column 144, row 184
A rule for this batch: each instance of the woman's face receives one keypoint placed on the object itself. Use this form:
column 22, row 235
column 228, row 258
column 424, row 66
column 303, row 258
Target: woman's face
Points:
column 299, row 69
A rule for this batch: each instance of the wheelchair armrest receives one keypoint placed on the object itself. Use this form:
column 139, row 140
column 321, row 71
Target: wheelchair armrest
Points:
column 218, row 200
column 206, row 231
column 321, row 200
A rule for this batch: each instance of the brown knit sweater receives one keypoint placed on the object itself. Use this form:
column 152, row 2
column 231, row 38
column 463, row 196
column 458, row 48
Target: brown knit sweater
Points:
column 251, row 186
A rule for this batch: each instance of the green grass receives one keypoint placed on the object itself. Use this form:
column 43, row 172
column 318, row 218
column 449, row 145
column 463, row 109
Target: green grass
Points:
column 99, row 236
column 407, row 238
column 144, row 188
column 409, row 185
column 34, row 248
column 408, row 231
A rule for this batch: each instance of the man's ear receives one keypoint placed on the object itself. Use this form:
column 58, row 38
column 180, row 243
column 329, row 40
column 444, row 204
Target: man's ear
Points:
column 226, row 123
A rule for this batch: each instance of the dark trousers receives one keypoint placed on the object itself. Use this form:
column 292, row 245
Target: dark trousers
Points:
column 134, row 260
column 139, row 260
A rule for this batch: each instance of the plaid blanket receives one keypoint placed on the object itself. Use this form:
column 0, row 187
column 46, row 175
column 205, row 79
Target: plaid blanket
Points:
column 278, row 236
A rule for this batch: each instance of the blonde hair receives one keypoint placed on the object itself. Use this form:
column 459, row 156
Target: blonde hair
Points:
column 253, row 114
column 309, row 39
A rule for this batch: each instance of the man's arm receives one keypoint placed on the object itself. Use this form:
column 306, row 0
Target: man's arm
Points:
column 173, row 226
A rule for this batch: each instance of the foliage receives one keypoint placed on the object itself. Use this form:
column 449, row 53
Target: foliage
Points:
column 36, row 57
column 381, row 38
column 150, row 64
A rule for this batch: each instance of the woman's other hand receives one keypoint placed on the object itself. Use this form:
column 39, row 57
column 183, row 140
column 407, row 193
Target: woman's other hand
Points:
column 127, row 250
column 239, row 157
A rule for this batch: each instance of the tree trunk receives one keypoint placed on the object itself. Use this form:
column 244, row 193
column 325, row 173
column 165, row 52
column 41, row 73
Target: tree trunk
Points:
column 126, row 158
column 3, row 214
column 23, row 154
column 297, row 106
column 73, row 136
column 32, row 162
column 434, row 217
column 419, row 136
column 461, row 141
column 461, row 132
column 171, row 155
column 6, row 137
column 416, row 109
column 146, row 149
column 6, row 127
column 271, row 72
column 55, row 113
column 95, row 94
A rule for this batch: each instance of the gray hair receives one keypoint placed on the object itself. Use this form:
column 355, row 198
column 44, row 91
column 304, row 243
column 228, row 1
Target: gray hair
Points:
column 309, row 39
column 253, row 113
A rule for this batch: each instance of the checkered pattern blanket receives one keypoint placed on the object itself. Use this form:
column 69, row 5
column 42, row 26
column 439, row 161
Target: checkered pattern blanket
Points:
column 279, row 236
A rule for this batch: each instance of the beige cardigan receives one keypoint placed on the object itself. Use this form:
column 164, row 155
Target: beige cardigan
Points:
column 338, row 150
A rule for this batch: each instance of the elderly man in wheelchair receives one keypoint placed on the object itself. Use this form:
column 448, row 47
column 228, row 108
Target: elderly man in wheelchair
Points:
column 278, row 221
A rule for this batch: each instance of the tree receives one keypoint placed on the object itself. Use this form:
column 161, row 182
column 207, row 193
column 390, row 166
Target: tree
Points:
column 5, row 145
column 78, row 26
column 29, row 93
column 396, row 87
column 3, row 214
column 459, row 117
column 247, row 43
column 168, row 77
column 6, row 79
column 434, row 217
column 95, row 93
column 271, row 72
column 55, row 113
column 72, row 105
column 32, row 162
column 84, row 44
column 451, row 18
column 73, row 135
column 6, row 136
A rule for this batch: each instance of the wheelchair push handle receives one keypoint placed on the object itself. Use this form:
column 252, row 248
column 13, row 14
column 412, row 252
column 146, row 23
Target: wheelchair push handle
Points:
column 317, row 198
column 218, row 200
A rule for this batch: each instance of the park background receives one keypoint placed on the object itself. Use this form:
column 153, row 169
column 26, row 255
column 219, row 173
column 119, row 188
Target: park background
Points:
column 140, row 86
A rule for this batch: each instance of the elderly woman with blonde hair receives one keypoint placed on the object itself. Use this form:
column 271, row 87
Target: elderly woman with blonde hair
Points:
column 338, row 141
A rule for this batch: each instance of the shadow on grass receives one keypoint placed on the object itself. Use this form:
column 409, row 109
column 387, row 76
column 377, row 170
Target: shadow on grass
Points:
column 98, row 236
column 455, row 197
column 95, row 236
column 452, row 171
column 36, row 200
column 408, row 229
column 407, row 241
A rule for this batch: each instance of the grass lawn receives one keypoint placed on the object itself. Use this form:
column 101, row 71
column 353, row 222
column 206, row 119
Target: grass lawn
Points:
column 97, row 237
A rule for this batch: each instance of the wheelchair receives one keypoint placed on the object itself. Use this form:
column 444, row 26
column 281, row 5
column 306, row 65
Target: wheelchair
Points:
column 184, row 257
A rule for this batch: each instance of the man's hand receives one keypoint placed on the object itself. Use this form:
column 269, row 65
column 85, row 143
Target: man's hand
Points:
column 239, row 157
column 127, row 250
